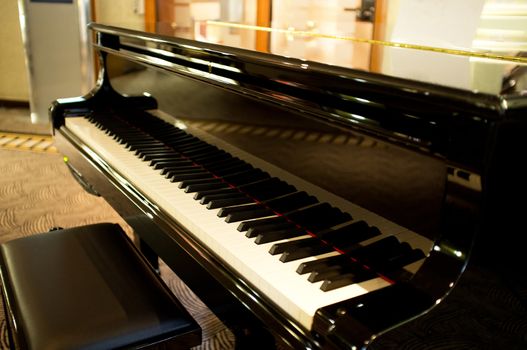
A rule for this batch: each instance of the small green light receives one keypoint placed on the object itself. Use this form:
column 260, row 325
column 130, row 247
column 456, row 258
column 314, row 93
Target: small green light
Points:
column 65, row 159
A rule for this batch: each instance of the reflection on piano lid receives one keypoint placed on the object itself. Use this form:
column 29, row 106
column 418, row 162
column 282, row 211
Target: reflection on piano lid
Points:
column 333, row 204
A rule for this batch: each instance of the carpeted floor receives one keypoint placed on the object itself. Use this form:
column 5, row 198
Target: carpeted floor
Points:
column 38, row 193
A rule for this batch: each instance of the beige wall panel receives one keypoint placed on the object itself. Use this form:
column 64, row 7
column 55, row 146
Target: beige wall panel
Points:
column 124, row 13
column 13, row 75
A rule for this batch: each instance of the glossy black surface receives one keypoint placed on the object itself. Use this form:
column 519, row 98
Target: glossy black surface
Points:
column 428, row 158
column 116, row 284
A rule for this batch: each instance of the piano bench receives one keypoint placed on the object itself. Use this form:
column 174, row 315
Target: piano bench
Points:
column 88, row 288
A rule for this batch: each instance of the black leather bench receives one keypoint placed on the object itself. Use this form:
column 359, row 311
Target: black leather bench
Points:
column 88, row 288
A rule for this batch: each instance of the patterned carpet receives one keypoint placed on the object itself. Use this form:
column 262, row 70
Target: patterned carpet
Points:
column 38, row 193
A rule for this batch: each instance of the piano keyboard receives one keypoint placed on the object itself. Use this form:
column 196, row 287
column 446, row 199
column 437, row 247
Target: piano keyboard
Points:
column 277, row 231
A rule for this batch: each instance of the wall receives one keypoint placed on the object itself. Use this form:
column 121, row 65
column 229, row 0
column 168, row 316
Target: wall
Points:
column 53, row 41
column 13, row 75
column 125, row 13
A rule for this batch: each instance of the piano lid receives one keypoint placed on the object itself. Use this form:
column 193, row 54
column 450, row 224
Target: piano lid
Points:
column 479, row 46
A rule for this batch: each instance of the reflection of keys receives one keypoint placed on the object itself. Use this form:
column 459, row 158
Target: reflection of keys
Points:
column 264, row 226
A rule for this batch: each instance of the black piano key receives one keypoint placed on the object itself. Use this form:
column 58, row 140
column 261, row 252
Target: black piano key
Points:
column 359, row 253
column 202, row 159
column 238, row 208
column 375, row 250
column 176, row 141
column 261, row 184
column 334, row 271
column 241, row 178
column 350, row 265
column 221, row 162
column 182, row 169
column 180, row 142
column 348, row 235
column 199, row 181
column 273, row 236
column 345, row 280
column 168, row 157
column 154, row 156
column 148, row 151
column 319, row 217
column 218, row 196
column 249, row 214
column 185, row 169
column 352, row 272
column 129, row 136
column 151, row 156
column 195, row 154
column 145, row 140
column 225, row 174
column 175, row 137
column 244, row 177
column 206, row 186
column 169, row 130
column 141, row 152
column 381, row 260
column 220, row 203
column 403, row 256
column 396, row 264
column 201, row 146
column 201, row 194
column 290, row 202
column 232, row 169
column 327, row 273
column 246, row 225
column 319, row 264
column 200, row 151
column 304, row 252
column 169, row 133
column 339, row 265
column 198, row 174
column 279, row 248
column 269, row 192
column 262, row 229
column 170, row 161
column 193, row 145
column 145, row 145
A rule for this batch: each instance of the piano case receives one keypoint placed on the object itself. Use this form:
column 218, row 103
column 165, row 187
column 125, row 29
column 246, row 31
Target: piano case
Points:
column 398, row 183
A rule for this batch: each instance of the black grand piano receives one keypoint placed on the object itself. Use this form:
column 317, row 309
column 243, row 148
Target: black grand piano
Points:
column 308, row 205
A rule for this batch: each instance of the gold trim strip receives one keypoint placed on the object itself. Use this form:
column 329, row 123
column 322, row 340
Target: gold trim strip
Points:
column 486, row 55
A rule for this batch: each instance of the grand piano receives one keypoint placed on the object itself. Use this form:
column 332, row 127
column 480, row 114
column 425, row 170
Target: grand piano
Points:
column 307, row 205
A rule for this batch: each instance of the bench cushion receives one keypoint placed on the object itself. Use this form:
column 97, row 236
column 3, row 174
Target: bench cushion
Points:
column 88, row 287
